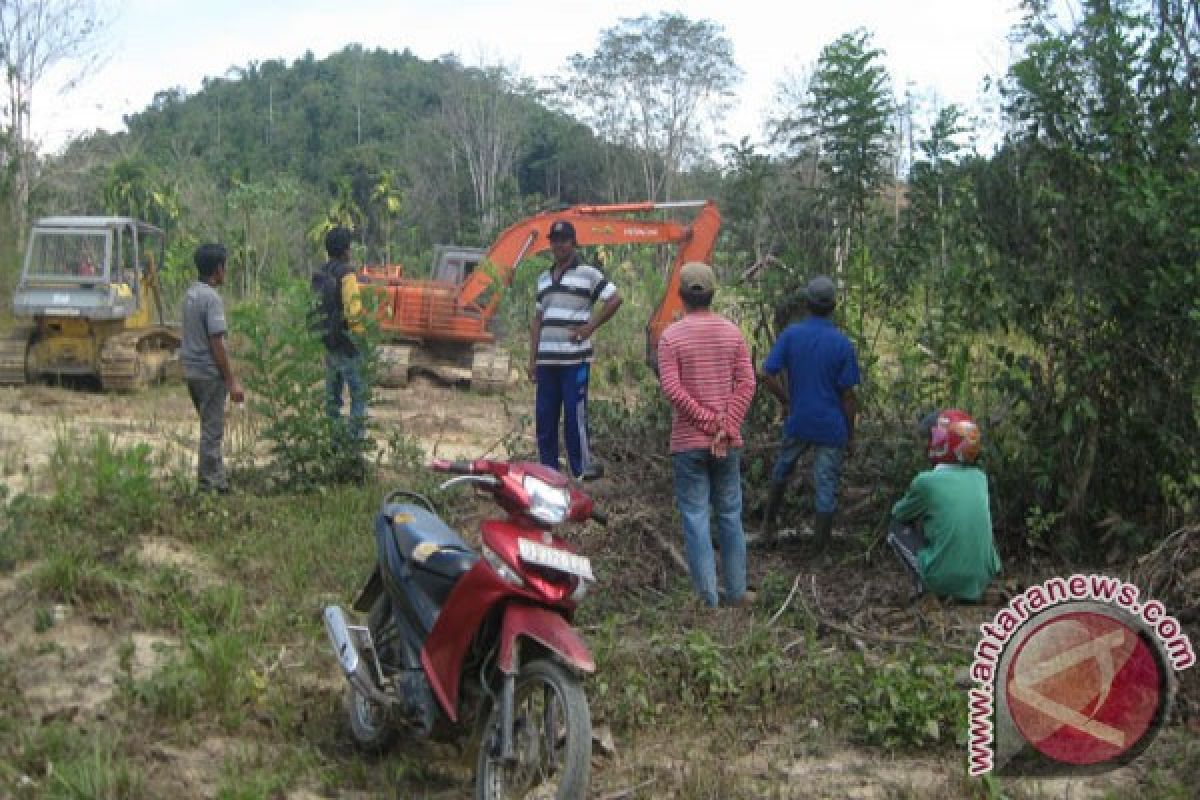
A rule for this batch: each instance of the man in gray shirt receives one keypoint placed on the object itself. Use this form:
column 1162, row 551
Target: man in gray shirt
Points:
column 205, row 362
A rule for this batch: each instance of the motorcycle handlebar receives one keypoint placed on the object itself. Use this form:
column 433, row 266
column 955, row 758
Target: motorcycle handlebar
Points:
column 453, row 467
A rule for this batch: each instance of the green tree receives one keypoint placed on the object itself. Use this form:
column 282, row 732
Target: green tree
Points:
column 388, row 199
column 846, row 122
column 135, row 188
column 129, row 190
column 1093, row 207
column 746, row 200
column 658, row 86
column 257, row 232
column 932, row 249
column 343, row 210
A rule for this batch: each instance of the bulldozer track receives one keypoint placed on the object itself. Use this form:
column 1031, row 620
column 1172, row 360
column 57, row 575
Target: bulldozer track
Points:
column 131, row 360
column 13, row 348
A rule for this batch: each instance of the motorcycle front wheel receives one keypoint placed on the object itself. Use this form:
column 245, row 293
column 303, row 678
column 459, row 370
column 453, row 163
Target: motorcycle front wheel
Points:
column 552, row 740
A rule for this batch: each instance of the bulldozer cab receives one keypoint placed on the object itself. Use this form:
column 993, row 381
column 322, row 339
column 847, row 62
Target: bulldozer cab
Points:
column 96, row 268
column 88, row 305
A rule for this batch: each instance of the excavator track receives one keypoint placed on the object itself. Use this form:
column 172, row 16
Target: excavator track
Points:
column 491, row 369
column 394, row 363
column 129, row 361
column 14, row 346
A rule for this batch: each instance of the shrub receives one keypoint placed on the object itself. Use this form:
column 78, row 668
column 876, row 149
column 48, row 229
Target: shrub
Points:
column 284, row 374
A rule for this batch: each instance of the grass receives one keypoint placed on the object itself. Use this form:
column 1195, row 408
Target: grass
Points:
column 248, row 690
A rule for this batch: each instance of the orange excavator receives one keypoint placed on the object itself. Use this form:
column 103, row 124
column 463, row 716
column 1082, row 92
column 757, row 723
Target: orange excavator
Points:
column 444, row 326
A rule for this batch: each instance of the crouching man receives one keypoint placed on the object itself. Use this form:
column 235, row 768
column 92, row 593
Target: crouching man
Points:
column 941, row 528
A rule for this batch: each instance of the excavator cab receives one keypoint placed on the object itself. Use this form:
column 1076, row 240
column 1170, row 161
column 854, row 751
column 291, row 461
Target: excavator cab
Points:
column 453, row 264
column 88, row 304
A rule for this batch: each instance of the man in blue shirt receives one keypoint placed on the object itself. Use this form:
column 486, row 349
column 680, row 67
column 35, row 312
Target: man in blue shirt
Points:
column 819, row 401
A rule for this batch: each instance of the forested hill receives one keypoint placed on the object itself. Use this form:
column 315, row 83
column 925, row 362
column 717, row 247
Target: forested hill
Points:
column 309, row 119
column 348, row 129
column 318, row 118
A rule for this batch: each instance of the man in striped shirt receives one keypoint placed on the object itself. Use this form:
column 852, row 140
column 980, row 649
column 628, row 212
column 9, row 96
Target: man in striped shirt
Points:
column 560, row 349
column 705, row 371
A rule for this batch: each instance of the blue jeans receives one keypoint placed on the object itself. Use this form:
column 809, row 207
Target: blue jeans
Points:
column 562, row 389
column 826, row 470
column 346, row 371
column 701, row 479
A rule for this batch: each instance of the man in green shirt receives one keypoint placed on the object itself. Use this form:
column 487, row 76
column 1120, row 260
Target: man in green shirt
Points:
column 942, row 528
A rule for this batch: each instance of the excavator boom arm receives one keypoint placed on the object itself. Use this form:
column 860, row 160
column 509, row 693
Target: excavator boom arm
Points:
column 600, row 225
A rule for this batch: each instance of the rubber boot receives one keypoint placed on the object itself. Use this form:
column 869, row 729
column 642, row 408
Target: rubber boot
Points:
column 823, row 530
column 774, row 500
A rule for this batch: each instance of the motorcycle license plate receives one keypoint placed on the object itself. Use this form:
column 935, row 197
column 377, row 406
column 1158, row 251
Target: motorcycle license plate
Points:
column 553, row 558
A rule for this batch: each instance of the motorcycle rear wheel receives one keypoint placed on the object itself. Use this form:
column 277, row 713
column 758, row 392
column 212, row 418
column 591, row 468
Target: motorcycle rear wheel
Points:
column 367, row 722
column 552, row 740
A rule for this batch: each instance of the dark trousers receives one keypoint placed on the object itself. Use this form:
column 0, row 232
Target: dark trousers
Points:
column 562, row 389
column 906, row 540
column 208, row 397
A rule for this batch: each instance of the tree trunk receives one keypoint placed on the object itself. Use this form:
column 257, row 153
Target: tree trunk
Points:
column 1076, row 508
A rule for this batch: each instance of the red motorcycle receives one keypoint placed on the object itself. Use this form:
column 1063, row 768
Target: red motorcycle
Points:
column 477, row 647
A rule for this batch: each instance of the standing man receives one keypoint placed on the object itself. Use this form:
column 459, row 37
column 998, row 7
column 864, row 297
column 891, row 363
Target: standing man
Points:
column 705, row 370
column 560, row 349
column 819, row 404
column 341, row 311
column 205, row 363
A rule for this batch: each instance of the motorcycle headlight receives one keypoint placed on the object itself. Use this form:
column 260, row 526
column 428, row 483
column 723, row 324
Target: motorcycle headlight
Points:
column 502, row 569
column 546, row 503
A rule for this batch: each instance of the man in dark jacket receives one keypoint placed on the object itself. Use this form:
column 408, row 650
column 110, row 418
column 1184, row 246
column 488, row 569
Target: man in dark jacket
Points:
column 343, row 359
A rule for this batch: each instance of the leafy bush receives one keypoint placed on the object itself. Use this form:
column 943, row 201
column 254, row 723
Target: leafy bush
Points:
column 73, row 762
column 103, row 488
column 213, row 673
column 284, row 375
column 905, row 704
column 74, row 572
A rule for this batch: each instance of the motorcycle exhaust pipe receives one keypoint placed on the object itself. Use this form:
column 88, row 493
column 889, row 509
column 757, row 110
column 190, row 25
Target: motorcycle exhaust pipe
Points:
column 345, row 639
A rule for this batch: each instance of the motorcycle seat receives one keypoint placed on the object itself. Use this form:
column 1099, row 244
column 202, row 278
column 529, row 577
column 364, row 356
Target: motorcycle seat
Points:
column 427, row 542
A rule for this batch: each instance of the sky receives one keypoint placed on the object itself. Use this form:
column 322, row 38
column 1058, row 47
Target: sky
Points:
column 944, row 48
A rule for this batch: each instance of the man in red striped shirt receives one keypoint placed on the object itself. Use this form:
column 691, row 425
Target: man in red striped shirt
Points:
column 705, row 370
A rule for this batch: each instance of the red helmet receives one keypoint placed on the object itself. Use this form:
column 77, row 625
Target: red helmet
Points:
column 954, row 438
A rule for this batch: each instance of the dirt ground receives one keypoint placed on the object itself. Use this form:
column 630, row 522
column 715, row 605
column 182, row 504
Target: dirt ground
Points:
column 35, row 420
column 68, row 670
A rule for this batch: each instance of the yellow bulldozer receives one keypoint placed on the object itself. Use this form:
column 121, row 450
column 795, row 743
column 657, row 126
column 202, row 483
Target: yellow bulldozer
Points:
column 88, row 304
